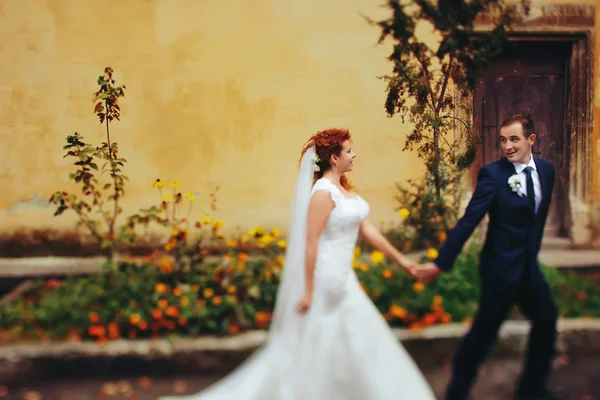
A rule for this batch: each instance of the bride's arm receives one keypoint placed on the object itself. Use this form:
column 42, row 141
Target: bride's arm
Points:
column 319, row 210
column 376, row 239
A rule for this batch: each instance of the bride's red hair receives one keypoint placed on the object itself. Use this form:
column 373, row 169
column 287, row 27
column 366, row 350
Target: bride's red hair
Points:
column 327, row 143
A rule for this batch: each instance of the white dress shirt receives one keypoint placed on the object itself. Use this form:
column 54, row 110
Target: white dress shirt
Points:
column 537, row 186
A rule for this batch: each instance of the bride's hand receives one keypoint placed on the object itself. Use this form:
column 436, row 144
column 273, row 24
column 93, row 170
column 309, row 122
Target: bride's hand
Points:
column 304, row 303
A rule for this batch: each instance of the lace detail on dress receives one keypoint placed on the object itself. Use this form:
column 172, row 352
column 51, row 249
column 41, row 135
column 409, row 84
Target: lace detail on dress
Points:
column 327, row 185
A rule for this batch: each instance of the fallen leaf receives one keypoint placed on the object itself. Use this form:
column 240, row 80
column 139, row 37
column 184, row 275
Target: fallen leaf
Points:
column 144, row 382
column 109, row 389
column 179, row 387
column 32, row 395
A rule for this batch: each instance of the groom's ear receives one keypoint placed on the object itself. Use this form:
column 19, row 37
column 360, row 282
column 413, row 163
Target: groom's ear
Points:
column 531, row 138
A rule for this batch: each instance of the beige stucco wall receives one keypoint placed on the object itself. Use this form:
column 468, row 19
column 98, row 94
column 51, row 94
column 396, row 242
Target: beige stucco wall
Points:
column 219, row 93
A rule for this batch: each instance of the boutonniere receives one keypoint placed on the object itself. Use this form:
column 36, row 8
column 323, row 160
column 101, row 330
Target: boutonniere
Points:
column 514, row 182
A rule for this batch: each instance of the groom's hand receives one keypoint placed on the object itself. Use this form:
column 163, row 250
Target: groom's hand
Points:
column 428, row 272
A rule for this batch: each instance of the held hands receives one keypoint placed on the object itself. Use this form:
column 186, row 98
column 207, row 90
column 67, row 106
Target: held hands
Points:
column 427, row 273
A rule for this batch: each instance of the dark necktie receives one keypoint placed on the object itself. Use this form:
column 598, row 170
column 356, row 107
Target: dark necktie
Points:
column 530, row 191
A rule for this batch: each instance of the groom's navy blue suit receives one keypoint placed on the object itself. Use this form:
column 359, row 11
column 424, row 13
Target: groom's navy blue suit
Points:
column 509, row 274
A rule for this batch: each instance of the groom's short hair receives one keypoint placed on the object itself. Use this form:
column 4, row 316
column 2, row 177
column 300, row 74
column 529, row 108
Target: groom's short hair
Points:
column 523, row 119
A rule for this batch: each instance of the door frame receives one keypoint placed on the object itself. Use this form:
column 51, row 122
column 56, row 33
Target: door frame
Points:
column 578, row 121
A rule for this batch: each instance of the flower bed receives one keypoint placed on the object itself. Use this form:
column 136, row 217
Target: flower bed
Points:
column 153, row 298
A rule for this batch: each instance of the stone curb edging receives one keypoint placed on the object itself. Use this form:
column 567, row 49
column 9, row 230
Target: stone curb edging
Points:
column 429, row 347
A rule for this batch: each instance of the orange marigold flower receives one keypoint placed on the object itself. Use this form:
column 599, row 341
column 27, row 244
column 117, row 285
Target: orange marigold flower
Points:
column 438, row 300
column 163, row 303
column 177, row 292
column 156, row 314
column 398, row 312
column 94, row 317
column 217, row 300
column 113, row 330
column 172, row 311
column 142, row 325
column 387, row 274
column 233, row 329
column 97, row 330
column 182, row 321
column 418, row 287
column 134, row 319
column 208, row 293
column 262, row 319
column 231, row 289
column 446, row 318
column 415, row 326
column 429, row 319
column 161, row 287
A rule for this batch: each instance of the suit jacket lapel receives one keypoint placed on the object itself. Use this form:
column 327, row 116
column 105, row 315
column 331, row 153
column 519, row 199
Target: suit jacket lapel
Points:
column 543, row 183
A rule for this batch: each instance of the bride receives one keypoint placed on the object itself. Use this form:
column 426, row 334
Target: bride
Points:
column 327, row 340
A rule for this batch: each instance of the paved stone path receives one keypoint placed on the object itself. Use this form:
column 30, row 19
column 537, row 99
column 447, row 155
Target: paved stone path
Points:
column 579, row 375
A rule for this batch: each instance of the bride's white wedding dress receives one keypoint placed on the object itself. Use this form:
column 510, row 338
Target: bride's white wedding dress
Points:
column 342, row 349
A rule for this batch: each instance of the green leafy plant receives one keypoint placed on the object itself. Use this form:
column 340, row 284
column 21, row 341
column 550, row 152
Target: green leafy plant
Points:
column 431, row 87
column 97, row 206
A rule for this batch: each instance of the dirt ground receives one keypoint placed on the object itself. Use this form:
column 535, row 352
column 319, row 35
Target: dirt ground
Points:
column 578, row 375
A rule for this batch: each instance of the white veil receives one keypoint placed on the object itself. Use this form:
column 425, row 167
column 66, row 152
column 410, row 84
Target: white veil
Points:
column 287, row 322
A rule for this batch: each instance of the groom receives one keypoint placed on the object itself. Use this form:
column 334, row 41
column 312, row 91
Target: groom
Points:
column 515, row 191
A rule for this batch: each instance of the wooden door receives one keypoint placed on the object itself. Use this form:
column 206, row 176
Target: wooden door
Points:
column 530, row 78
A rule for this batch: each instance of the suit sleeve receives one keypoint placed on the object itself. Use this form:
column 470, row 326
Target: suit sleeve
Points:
column 485, row 192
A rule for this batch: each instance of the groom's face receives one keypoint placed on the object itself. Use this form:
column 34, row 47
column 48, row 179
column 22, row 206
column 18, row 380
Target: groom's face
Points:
column 516, row 147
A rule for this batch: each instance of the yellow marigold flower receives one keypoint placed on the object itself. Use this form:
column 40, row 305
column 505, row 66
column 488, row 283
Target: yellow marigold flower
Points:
column 282, row 243
column 377, row 257
column 158, row 184
column 184, row 301
column 265, row 240
column 218, row 224
column 208, row 292
column 167, row 197
column 356, row 251
column 174, row 184
column 258, row 231
column 245, row 239
column 418, row 287
column 206, row 219
column 217, row 300
column 232, row 298
column 275, row 232
column 231, row 243
column 364, row 267
column 190, row 196
column 220, row 235
column 437, row 300
column 432, row 253
column 387, row 274
column 403, row 212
